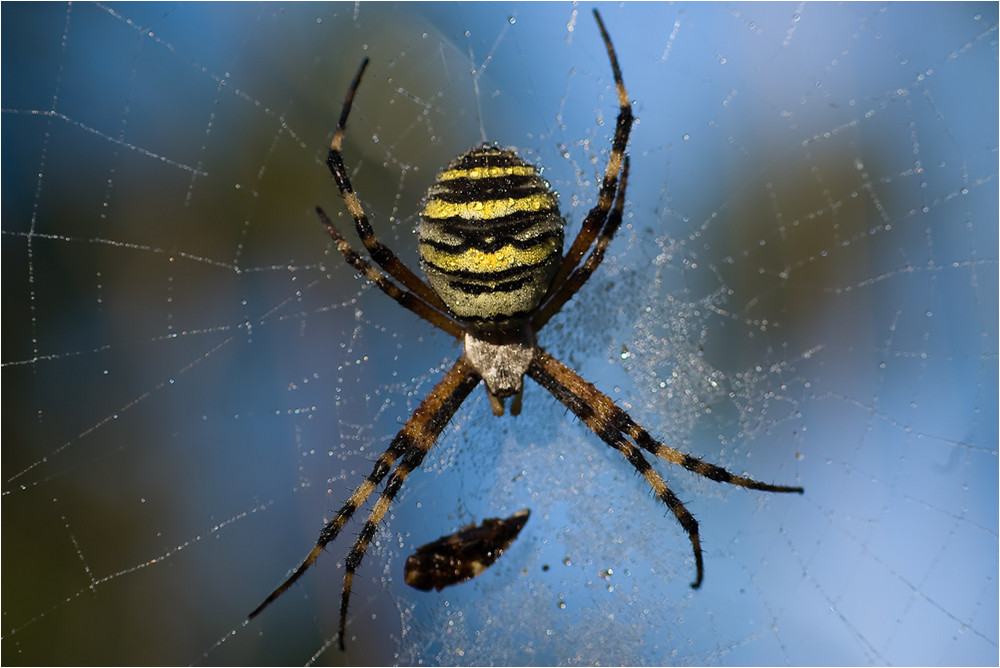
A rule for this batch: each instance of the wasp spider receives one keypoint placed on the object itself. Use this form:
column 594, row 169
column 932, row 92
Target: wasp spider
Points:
column 491, row 246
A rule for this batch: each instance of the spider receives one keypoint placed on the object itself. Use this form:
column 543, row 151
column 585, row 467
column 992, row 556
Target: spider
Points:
column 490, row 243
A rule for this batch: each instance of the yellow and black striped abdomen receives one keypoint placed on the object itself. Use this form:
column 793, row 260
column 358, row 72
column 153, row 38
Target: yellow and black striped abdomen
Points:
column 490, row 236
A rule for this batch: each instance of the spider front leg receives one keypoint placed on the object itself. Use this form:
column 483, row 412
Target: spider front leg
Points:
column 596, row 410
column 421, row 432
column 411, row 443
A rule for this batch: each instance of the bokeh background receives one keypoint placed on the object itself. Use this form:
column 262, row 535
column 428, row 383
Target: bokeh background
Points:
column 805, row 289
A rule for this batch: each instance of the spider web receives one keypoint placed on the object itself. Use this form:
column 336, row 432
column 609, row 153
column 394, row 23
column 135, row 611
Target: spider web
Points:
column 805, row 289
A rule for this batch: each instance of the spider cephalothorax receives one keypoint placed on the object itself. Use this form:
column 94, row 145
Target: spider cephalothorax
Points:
column 490, row 242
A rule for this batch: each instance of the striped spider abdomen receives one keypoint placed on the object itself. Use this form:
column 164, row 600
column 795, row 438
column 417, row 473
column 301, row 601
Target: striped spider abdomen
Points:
column 490, row 237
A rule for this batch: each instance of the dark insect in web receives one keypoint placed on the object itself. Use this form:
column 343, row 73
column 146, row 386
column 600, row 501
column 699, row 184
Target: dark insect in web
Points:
column 462, row 555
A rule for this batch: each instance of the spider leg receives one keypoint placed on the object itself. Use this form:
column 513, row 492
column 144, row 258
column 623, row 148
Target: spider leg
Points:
column 417, row 435
column 624, row 423
column 610, row 422
column 380, row 253
column 424, row 428
column 580, row 275
column 403, row 297
column 705, row 469
column 564, row 385
column 594, row 221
